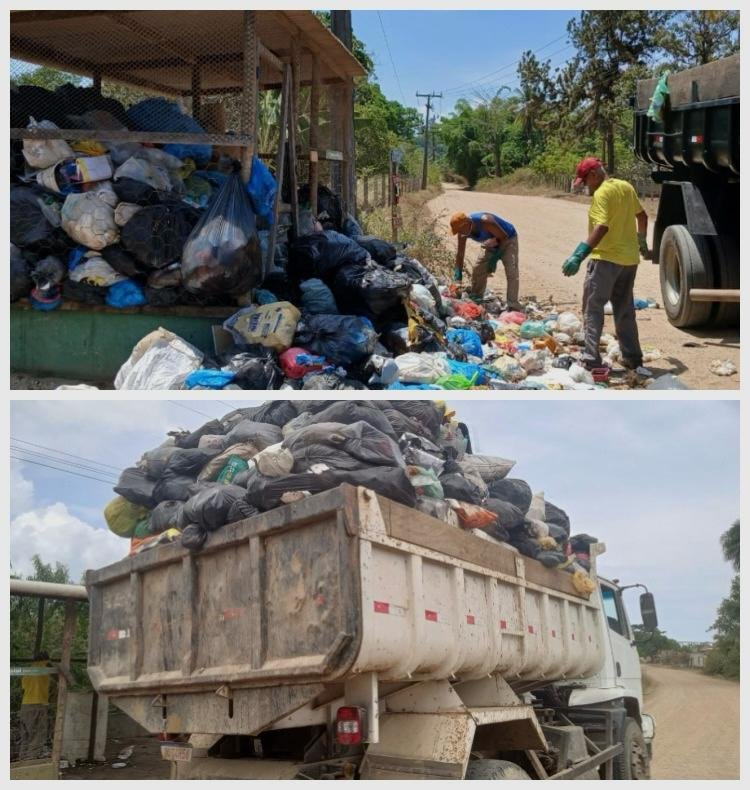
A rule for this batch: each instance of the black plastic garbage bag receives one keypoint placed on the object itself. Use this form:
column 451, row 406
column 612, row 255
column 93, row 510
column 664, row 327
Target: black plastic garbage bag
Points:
column 188, row 440
column 48, row 273
column 209, row 508
column 166, row 515
column 322, row 254
column 28, row 223
column 330, row 212
column 316, row 297
column 273, row 412
column 350, row 227
column 83, row 292
column 581, row 542
column 341, row 339
column 319, row 380
column 509, row 516
column 349, row 446
column 193, row 537
column 557, row 533
column 156, row 235
column 222, row 254
column 122, row 261
column 134, row 486
column 164, row 297
column 551, row 559
column 379, row 249
column 20, row 279
column 261, row 434
column 456, row 486
column 253, row 371
column 131, row 191
column 240, row 509
column 188, row 462
column 416, row 271
column 348, row 412
column 173, row 486
column 426, row 413
column 556, row 515
column 369, row 288
column 512, row 490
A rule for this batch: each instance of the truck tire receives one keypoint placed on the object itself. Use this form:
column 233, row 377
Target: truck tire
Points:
column 633, row 763
column 726, row 275
column 495, row 769
column 684, row 263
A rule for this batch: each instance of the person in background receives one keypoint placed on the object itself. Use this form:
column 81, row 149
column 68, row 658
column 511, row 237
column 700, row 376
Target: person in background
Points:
column 34, row 711
column 616, row 240
column 499, row 240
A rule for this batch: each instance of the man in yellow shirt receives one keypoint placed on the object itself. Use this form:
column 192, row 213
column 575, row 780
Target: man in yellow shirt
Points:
column 616, row 240
column 34, row 711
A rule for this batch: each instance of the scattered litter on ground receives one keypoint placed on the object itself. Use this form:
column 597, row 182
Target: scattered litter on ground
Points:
column 722, row 367
column 125, row 754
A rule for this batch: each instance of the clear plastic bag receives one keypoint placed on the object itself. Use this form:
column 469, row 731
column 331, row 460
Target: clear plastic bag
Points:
column 222, row 255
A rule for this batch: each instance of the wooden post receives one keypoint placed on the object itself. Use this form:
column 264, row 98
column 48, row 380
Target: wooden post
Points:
column 348, row 175
column 249, row 108
column 292, row 145
column 39, row 627
column 314, row 135
column 283, row 127
column 385, row 199
column 69, row 628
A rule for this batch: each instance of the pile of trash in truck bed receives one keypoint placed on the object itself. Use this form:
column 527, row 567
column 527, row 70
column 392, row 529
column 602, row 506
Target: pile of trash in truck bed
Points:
column 413, row 452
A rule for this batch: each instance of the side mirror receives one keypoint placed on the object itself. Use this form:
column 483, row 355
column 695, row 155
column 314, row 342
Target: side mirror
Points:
column 648, row 612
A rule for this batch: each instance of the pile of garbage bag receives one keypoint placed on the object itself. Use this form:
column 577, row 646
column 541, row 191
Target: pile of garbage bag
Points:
column 256, row 459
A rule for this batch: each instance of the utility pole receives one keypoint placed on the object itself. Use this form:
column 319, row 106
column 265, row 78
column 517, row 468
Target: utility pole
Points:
column 429, row 97
column 343, row 117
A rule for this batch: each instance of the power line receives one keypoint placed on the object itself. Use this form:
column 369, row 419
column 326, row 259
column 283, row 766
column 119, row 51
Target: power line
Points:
column 64, row 471
column 503, row 68
column 388, row 47
column 61, row 452
column 53, row 459
column 195, row 411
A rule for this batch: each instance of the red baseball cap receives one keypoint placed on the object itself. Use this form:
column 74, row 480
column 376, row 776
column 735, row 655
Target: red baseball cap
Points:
column 584, row 167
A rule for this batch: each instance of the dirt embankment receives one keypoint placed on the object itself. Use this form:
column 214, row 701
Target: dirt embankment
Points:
column 697, row 724
column 548, row 230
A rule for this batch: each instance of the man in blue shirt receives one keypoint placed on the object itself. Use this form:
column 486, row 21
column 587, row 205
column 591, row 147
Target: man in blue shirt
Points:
column 499, row 240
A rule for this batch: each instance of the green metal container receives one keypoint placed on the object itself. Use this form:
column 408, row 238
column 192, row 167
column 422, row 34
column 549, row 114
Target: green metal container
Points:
column 90, row 343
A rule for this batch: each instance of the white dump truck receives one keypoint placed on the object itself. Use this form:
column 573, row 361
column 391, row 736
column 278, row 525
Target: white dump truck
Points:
column 348, row 636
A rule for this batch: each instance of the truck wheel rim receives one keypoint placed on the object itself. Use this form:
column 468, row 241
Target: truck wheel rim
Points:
column 672, row 277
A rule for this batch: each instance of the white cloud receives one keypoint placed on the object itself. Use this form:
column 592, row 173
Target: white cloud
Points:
column 56, row 535
column 21, row 490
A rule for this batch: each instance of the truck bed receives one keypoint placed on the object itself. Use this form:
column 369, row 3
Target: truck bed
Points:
column 276, row 607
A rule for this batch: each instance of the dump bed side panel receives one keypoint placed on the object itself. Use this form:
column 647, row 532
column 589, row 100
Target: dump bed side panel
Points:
column 267, row 600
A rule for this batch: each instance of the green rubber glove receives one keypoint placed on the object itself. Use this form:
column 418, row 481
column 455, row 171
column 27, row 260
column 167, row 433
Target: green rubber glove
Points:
column 643, row 247
column 458, row 275
column 492, row 262
column 573, row 263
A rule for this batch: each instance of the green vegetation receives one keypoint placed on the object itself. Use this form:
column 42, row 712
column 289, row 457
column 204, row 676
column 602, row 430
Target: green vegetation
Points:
column 724, row 658
column 649, row 644
column 581, row 108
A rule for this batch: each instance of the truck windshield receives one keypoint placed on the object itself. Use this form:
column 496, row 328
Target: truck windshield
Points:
column 611, row 611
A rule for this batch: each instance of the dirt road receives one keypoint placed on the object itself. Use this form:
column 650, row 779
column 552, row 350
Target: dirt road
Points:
column 548, row 231
column 697, row 724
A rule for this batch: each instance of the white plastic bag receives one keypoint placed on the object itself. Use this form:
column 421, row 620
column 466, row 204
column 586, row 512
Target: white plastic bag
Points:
column 274, row 461
column 488, row 467
column 421, row 368
column 422, row 296
column 96, row 271
column 579, row 374
column 569, row 323
column 146, row 172
column 87, row 219
column 535, row 523
column 45, row 153
column 160, row 361
column 125, row 212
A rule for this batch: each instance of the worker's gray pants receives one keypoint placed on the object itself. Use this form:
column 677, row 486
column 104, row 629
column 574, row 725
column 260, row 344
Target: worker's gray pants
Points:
column 507, row 251
column 610, row 282
column 33, row 734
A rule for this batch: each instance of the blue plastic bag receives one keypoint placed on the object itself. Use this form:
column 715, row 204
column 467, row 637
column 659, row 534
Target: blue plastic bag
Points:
column 214, row 379
column 262, row 296
column 341, row 339
column 126, row 293
column 397, row 385
column 160, row 115
column 469, row 370
column 468, row 339
column 262, row 190
column 76, row 256
column 316, row 297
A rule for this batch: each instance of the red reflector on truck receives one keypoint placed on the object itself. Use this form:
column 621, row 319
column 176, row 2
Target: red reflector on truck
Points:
column 349, row 726
column 504, row 624
column 531, row 629
column 381, row 607
column 470, row 619
column 429, row 615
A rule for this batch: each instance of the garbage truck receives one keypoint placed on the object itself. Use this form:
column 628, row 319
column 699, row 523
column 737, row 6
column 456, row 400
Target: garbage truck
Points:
column 345, row 636
column 693, row 146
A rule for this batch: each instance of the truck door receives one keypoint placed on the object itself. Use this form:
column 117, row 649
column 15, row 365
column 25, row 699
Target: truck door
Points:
column 626, row 662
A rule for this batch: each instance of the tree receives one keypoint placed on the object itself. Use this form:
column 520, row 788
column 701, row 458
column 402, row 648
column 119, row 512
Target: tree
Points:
column 649, row 643
column 609, row 43
column 493, row 116
column 698, row 37
column 724, row 658
column 464, row 148
column 46, row 77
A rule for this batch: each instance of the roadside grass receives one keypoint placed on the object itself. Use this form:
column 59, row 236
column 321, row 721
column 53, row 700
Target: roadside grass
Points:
column 418, row 230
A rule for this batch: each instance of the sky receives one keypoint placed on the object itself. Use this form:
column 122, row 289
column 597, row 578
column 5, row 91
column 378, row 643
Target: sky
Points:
column 636, row 474
column 457, row 53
